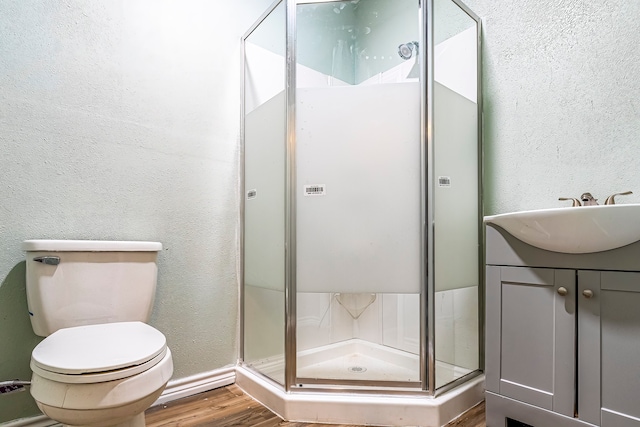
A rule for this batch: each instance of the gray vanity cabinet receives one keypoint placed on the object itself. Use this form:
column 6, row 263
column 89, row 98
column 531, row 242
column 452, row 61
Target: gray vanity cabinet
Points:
column 530, row 352
column 562, row 336
column 609, row 345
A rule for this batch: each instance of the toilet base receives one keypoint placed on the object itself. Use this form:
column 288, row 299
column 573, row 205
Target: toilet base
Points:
column 131, row 415
column 118, row 403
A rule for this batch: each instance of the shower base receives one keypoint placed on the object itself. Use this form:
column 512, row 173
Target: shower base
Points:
column 361, row 360
column 357, row 359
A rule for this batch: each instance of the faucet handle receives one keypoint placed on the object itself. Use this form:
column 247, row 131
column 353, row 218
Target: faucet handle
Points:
column 611, row 201
column 576, row 202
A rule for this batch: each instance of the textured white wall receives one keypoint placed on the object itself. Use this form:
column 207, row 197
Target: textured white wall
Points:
column 561, row 100
column 120, row 120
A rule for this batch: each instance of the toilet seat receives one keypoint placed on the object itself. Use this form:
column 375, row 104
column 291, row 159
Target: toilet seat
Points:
column 98, row 353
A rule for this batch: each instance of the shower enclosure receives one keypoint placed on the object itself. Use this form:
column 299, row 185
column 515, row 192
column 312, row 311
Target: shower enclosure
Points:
column 361, row 199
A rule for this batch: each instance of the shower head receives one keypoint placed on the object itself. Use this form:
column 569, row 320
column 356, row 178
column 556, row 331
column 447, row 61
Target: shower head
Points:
column 406, row 50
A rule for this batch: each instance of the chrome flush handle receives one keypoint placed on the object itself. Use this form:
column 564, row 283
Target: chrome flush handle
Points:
column 49, row 260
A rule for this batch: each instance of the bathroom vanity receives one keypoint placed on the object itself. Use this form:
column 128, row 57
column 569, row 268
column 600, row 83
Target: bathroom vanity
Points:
column 562, row 335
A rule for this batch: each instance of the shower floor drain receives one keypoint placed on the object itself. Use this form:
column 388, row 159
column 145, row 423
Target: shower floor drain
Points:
column 357, row 369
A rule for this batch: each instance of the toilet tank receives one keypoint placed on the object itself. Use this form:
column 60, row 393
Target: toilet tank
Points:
column 84, row 282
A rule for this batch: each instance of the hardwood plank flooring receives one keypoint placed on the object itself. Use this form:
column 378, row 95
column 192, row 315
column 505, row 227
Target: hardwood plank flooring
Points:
column 230, row 406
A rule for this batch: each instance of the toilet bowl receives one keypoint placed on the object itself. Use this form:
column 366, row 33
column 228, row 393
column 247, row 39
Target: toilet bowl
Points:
column 100, row 364
column 100, row 375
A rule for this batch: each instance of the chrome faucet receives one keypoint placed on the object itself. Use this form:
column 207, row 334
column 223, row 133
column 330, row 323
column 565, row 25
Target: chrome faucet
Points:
column 611, row 201
column 588, row 200
column 585, row 200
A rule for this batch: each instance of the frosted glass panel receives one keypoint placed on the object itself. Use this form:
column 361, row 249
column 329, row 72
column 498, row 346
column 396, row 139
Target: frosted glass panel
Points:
column 455, row 196
column 264, row 195
column 456, row 191
column 264, row 181
column 361, row 145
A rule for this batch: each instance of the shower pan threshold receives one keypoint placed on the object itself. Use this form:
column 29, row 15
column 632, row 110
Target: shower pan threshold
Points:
column 362, row 409
column 342, row 406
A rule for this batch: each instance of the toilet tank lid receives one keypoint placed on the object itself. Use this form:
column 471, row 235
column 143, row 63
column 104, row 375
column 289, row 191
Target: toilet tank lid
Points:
column 90, row 245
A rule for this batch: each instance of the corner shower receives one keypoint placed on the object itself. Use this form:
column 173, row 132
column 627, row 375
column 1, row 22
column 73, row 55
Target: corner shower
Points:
column 361, row 199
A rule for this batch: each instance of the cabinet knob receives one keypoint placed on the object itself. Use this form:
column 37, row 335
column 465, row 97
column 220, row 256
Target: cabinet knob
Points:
column 562, row 291
column 587, row 293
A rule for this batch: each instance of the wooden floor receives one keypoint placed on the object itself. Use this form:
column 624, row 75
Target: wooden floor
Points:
column 229, row 406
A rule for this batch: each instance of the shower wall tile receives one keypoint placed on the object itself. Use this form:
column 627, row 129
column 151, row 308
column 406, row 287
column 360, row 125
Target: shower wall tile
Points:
column 444, row 327
column 465, row 333
column 314, row 320
column 456, row 316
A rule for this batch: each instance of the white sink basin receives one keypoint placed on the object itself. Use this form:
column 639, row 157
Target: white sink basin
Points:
column 577, row 230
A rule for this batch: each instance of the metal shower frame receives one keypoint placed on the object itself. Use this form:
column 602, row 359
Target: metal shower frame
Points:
column 427, row 285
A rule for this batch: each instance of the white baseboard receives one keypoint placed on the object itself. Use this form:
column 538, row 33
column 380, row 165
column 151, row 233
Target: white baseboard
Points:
column 185, row 387
column 177, row 389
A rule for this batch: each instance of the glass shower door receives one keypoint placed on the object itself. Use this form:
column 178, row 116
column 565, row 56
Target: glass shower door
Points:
column 361, row 198
column 358, row 193
column 264, row 118
column 456, row 197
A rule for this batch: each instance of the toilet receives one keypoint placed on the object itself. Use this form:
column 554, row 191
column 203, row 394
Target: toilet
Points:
column 100, row 363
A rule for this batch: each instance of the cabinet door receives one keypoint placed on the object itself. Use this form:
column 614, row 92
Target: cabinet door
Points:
column 609, row 348
column 530, row 330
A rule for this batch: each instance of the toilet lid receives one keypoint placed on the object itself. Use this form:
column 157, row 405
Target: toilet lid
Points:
column 98, row 348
